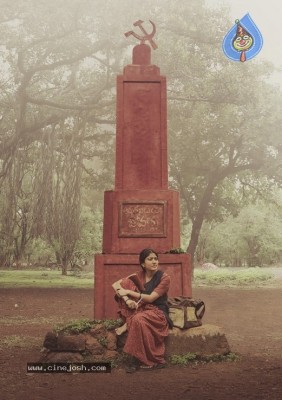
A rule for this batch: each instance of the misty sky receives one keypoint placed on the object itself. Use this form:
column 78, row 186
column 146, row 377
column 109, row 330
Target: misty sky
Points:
column 267, row 15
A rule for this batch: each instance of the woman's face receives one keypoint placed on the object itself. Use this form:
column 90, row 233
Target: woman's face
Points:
column 151, row 263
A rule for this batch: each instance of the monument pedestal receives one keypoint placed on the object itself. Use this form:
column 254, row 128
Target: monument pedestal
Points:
column 141, row 212
column 112, row 267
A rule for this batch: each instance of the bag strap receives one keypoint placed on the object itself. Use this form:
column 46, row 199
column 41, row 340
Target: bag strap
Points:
column 185, row 301
column 200, row 309
column 176, row 301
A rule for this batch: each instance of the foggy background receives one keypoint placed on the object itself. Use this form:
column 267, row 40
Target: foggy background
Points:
column 267, row 16
column 59, row 61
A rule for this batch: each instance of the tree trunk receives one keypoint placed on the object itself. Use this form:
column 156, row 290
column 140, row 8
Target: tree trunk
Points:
column 64, row 269
column 199, row 219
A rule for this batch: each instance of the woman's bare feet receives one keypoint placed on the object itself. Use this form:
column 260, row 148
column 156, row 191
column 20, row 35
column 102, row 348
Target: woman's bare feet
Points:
column 121, row 329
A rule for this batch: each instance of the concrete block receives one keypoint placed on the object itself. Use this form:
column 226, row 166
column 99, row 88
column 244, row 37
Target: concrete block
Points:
column 205, row 340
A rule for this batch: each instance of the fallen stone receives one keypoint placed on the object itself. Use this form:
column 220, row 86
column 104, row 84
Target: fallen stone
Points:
column 51, row 341
column 97, row 330
column 110, row 355
column 71, row 343
column 209, row 266
column 93, row 346
column 111, row 339
column 205, row 340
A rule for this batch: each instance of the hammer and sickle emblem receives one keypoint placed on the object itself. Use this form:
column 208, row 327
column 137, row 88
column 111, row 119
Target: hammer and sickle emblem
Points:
column 147, row 36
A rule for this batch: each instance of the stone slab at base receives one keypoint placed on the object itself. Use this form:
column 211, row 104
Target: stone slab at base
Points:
column 111, row 267
column 205, row 340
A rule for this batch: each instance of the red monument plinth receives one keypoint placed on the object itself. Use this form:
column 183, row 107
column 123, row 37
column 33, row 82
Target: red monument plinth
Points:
column 141, row 211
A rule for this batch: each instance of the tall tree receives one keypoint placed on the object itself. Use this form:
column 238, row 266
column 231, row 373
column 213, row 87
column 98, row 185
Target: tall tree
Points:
column 224, row 117
column 57, row 83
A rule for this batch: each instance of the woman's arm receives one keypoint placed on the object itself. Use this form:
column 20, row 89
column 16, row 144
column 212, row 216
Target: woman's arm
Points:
column 117, row 285
column 158, row 291
column 148, row 298
column 118, row 288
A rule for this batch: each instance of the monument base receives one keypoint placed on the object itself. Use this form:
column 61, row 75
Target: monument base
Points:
column 111, row 267
column 204, row 341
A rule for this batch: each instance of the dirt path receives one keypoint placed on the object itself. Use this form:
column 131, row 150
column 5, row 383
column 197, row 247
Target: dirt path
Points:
column 251, row 320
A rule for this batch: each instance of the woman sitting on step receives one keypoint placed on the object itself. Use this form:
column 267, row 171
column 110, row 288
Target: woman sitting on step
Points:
column 142, row 299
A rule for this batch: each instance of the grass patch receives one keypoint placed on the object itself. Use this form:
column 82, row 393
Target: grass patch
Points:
column 18, row 320
column 229, row 277
column 44, row 279
column 192, row 358
column 22, row 342
column 220, row 277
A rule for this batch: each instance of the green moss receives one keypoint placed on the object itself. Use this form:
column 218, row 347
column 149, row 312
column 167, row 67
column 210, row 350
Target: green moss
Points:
column 103, row 341
column 192, row 358
column 109, row 324
column 84, row 325
column 183, row 359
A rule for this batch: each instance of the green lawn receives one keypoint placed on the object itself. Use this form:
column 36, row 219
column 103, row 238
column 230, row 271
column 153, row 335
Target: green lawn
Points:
column 238, row 277
column 247, row 277
column 14, row 278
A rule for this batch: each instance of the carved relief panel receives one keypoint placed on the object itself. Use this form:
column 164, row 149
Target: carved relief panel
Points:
column 142, row 219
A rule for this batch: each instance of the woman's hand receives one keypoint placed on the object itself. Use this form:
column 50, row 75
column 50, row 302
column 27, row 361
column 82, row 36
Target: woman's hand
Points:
column 131, row 304
column 122, row 292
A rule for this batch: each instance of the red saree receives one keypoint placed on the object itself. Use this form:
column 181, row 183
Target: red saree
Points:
column 147, row 326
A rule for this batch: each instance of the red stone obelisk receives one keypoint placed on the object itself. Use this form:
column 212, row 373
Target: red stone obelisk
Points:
column 141, row 211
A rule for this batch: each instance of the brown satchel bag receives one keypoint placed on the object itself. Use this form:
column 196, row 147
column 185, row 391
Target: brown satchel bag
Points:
column 186, row 312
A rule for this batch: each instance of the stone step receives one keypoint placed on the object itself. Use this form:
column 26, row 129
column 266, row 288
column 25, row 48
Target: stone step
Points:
column 205, row 340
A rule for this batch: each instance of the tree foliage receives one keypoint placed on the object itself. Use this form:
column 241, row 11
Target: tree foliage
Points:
column 57, row 116
column 57, row 96
column 224, row 121
column 253, row 238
